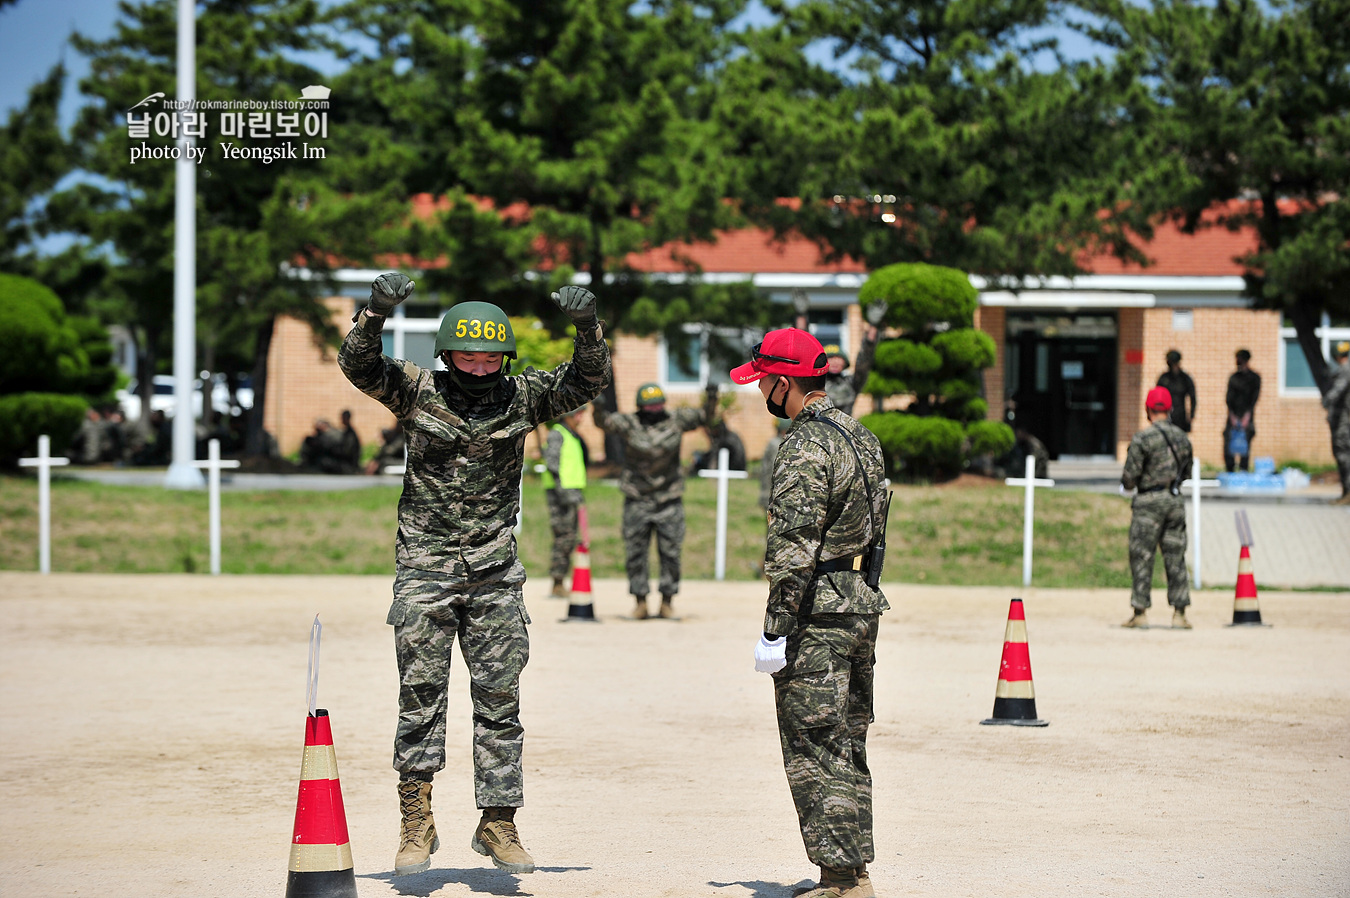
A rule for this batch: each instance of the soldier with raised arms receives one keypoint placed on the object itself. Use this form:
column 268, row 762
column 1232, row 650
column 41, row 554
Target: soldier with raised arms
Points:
column 457, row 574
column 827, row 513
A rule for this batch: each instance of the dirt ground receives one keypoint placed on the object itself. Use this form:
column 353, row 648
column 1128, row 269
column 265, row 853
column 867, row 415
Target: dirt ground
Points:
column 151, row 731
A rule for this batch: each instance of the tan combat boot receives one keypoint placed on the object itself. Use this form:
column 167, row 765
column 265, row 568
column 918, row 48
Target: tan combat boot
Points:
column 1179, row 621
column 840, row 883
column 667, row 609
column 496, row 837
column 559, row 591
column 417, row 838
column 640, row 609
column 1139, row 621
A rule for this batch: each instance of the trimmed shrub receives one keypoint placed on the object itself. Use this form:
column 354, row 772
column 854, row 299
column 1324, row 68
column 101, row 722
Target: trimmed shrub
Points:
column 965, row 348
column 989, row 438
column 920, row 296
column 26, row 416
column 907, row 359
column 918, row 447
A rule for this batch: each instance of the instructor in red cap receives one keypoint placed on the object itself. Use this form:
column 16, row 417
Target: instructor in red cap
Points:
column 827, row 512
column 1158, row 461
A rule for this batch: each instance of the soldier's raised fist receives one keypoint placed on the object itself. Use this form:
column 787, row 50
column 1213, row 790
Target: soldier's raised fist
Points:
column 577, row 302
column 387, row 291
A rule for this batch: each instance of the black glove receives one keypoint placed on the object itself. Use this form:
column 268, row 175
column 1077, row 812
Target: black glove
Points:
column 876, row 312
column 579, row 304
column 387, row 291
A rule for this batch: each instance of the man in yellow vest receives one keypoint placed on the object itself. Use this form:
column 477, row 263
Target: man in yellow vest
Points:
column 564, row 482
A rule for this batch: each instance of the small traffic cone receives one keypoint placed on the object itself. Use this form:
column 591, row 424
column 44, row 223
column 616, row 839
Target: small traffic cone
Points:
column 1246, row 613
column 1014, row 697
column 580, row 607
column 321, row 853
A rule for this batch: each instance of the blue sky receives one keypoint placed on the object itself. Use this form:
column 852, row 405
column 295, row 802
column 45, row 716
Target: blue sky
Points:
column 33, row 37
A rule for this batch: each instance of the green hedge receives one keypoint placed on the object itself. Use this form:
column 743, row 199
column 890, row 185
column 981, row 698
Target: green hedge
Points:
column 26, row 416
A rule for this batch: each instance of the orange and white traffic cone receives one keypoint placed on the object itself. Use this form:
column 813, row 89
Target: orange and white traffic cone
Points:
column 1015, row 697
column 1246, row 612
column 581, row 607
column 321, row 853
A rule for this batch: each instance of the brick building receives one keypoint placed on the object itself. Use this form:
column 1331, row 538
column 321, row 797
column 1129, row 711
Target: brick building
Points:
column 1076, row 355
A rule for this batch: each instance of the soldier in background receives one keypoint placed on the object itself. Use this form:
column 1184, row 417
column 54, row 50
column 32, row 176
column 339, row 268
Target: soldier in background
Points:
column 1337, row 403
column 652, row 484
column 321, row 451
column 86, row 447
column 822, row 617
column 1182, row 388
column 1026, row 444
column 457, row 573
column 720, row 437
column 348, row 446
column 843, row 390
column 1244, row 388
column 1158, row 460
column 565, row 460
column 392, row 451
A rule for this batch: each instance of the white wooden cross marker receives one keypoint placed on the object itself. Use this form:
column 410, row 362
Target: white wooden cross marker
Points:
column 213, row 464
column 1196, row 484
column 1030, row 482
column 44, row 463
column 723, row 475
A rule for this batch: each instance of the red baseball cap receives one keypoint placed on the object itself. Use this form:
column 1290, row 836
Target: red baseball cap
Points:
column 1158, row 400
column 789, row 352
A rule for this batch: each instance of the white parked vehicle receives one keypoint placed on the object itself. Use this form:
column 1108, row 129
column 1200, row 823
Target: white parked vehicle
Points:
column 163, row 398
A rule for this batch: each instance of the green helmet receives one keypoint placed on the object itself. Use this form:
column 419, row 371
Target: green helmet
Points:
column 476, row 327
column 650, row 394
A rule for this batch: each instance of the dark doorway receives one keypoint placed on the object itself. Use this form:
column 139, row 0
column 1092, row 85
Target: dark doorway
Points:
column 1061, row 379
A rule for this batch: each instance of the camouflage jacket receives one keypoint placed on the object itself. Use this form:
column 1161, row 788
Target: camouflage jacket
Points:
column 651, row 455
column 460, row 492
column 1337, row 398
column 819, row 512
column 1149, row 464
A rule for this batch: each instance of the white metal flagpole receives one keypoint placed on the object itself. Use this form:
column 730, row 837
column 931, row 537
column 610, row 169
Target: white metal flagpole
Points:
column 44, row 463
column 1029, row 512
column 213, row 464
column 724, row 474
column 182, row 473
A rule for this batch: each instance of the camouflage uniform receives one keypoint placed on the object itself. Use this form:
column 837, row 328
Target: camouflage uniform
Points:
column 1337, row 403
column 843, row 389
column 563, row 505
column 457, row 571
column 653, row 488
column 819, row 512
column 1159, row 517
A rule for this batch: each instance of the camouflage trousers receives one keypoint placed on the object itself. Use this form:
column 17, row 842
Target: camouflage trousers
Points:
column 488, row 616
column 1159, row 520
column 641, row 519
column 562, row 520
column 824, row 703
column 1340, row 449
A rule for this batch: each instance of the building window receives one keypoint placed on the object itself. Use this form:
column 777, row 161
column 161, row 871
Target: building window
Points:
column 1183, row 320
column 1296, row 378
column 410, row 335
column 700, row 354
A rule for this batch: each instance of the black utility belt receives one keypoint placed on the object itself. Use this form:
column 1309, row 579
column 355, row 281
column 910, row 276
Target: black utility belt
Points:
column 846, row 563
column 1158, row 489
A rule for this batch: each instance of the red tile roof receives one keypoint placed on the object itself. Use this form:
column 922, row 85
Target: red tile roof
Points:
column 1210, row 251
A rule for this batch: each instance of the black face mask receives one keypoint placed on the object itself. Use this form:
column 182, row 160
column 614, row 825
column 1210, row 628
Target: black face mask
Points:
column 777, row 409
column 649, row 418
column 478, row 385
column 830, row 375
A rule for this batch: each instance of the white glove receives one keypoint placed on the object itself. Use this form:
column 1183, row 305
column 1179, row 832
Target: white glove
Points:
column 771, row 655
